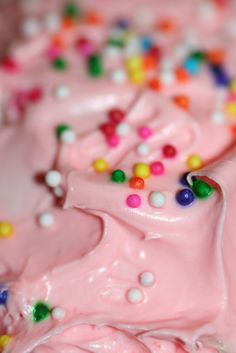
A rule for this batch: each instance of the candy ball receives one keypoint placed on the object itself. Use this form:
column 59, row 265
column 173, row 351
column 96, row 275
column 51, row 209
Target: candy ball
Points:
column 143, row 149
column 60, row 64
column 147, row 279
column 119, row 77
column 100, row 166
column 40, row 312
column 53, row 178
column 194, row 162
column 6, row 229
column 185, row 197
column 3, row 295
column 116, row 116
column 137, row 183
column 133, row 201
column 62, row 92
column 202, row 189
column 30, row 27
column 144, row 132
column 46, row 220
column 141, row 170
column 157, row 199
column 123, row 129
column 58, row 313
column 135, row 296
column 157, row 168
column 169, row 151
column 118, row 176
column 113, row 141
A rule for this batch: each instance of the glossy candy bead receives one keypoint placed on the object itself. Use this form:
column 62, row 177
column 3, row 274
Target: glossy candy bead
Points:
column 154, row 85
column 137, row 183
column 143, row 149
column 3, row 295
column 60, row 64
column 147, row 279
column 100, row 166
column 135, row 296
column 157, row 199
column 72, row 11
column 118, row 176
column 194, row 162
column 95, row 66
column 123, row 129
column 192, row 66
column 113, row 141
column 53, row 178
column 202, row 189
column 185, row 197
column 157, row 168
column 169, row 151
column 183, row 179
column 220, row 75
column 34, row 94
column 116, row 115
column 141, row 170
column 145, row 132
column 46, row 220
column 108, row 129
column 133, row 201
column 40, row 312
column 58, row 313
column 85, row 47
column 60, row 129
column 6, row 230
column 182, row 102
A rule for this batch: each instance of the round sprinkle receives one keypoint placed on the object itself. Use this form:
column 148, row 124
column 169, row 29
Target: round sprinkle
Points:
column 147, row 279
column 144, row 132
column 167, row 77
column 4, row 341
column 218, row 118
column 60, row 64
column 108, row 129
column 202, row 189
column 6, row 230
column 113, row 141
column 3, row 295
column 143, row 149
column 194, row 162
column 30, row 27
column 46, row 220
column 122, row 129
column 137, row 183
column 116, row 116
column 68, row 137
column 141, row 170
column 58, row 191
column 58, row 313
column 62, row 92
column 134, row 296
column 100, row 166
column 119, row 77
column 183, row 179
column 60, row 129
column 133, row 201
column 40, row 312
column 169, row 151
column 157, row 168
column 53, row 178
column 185, row 197
column 157, row 199
column 118, row 176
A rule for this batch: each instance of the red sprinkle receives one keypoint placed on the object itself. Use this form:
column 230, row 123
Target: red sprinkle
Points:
column 169, row 151
column 35, row 94
column 108, row 129
column 116, row 116
column 9, row 65
column 113, row 141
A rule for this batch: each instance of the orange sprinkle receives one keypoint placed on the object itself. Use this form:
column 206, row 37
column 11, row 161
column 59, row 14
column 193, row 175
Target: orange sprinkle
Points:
column 182, row 102
column 68, row 23
column 166, row 25
column 154, row 85
column 93, row 18
column 58, row 42
column 233, row 130
column 149, row 62
column 136, row 183
column 216, row 56
column 181, row 74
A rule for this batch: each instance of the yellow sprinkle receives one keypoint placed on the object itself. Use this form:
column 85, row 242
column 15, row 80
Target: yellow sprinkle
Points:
column 134, row 63
column 194, row 162
column 100, row 166
column 4, row 341
column 141, row 170
column 233, row 86
column 231, row 109
column 137, row 77
column 6, row 229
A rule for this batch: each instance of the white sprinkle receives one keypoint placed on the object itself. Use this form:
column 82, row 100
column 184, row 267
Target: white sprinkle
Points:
column 167, row 77
column 143, row 149
column 30, row 27
column 135, row 296
column 68, row 136
column 112, row 52
column 147, row 279
column 157, row 199
column 58, row 313
column 119, row 76
column 123, row 129
column 218, row 118
column 53, row 178
column 62, row 92
column 52, row 22
column 46, row 220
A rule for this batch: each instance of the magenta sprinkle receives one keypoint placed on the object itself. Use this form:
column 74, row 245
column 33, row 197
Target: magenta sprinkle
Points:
column 133, row 201
column 144, row 132
column 157, row 168
column 113, row 141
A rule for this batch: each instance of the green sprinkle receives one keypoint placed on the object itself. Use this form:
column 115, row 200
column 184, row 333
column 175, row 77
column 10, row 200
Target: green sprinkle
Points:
column 60, row 64
column 60, row 129
column 201, row 189
column 118, row 176
column 95, row 66
column 198, row 55
column 40, row 312
column 116, row 43
column 72, row 11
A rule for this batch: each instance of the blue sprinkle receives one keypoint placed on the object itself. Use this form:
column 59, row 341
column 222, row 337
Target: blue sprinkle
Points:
column 3, row 295
column 185, row 197
column 183, row 179
column 192, row 65
column 122, row 23
column 146, row 43
column 220, row 76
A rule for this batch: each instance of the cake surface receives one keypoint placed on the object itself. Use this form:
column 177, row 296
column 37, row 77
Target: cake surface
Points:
column 117, row 182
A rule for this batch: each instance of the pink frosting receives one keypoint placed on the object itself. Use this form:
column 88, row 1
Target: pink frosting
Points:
column 95, row 252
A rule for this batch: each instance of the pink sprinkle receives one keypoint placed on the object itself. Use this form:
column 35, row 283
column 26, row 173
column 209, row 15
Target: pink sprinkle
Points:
column 53, row 52
column 85, row 47
column 157, row 168
column 144, row 132
column 133, row 201
column 113, row 141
